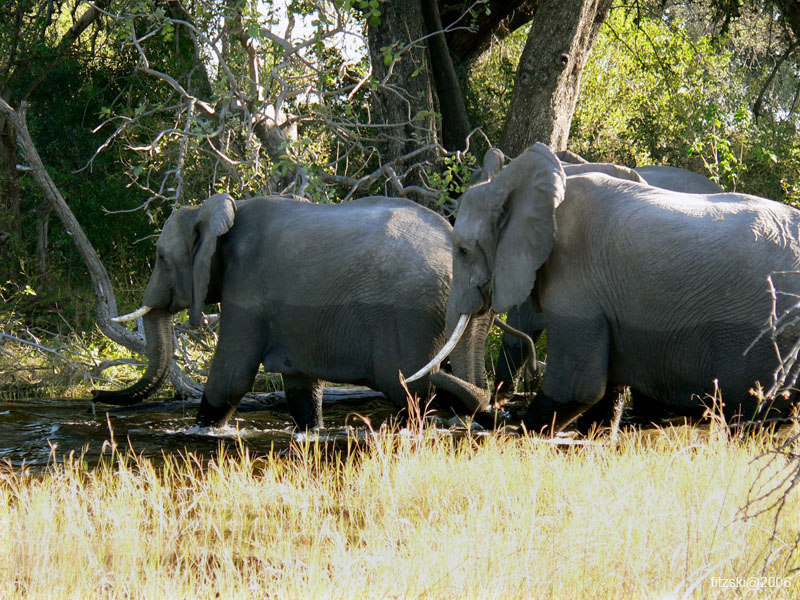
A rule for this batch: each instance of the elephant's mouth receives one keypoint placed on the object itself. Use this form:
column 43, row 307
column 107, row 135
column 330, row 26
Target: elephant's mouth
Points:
column 485, row 290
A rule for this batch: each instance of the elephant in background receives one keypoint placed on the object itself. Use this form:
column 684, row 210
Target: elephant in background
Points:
column 661, row 176
column 678, row 180
column 661, row 291
column 351, row 293
column 513, row 353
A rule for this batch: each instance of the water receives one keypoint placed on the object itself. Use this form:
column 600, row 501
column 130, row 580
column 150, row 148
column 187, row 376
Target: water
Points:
column 35, row 432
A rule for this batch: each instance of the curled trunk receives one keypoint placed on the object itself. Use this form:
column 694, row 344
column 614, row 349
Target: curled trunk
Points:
column 158, row 334
column 475, row 399
column 468, row 363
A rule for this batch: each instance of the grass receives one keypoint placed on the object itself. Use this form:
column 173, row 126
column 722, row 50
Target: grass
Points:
column 657, row 515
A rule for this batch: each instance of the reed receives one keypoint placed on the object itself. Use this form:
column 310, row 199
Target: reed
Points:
column 669, row 513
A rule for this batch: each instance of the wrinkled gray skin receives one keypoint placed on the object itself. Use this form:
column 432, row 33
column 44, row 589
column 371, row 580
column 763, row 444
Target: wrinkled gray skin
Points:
column 348, row 293
column 513, row 353
column 638, row 286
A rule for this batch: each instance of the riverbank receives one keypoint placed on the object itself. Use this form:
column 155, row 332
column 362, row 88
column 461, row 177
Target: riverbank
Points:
column 675, row 512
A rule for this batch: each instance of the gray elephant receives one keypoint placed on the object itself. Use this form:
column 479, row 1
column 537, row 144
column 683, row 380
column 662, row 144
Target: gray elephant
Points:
column 662, row 176
column 513, row 352
column 351, row 293
column 661, row 291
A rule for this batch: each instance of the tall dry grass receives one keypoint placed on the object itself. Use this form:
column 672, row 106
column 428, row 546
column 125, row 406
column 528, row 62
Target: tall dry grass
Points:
column 658, row 515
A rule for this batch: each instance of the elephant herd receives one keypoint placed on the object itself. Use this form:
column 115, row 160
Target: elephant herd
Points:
column 654, row 279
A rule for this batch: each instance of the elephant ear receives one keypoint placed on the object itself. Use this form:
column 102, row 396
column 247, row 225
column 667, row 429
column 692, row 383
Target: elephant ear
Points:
column 492, row 164
column 215, row 218
column 535, row 182
column 608, row 168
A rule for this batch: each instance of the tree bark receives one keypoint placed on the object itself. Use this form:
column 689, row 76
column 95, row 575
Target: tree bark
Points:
column 549, row 73
column 470, row 37
column 404, row 101
column 106, row 305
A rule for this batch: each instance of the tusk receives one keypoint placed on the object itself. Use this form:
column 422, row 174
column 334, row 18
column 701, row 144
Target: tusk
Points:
column 134, row 315
column 448, row 348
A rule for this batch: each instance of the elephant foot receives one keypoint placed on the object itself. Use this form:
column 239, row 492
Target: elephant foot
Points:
column 304, row 398
column 209, row 415
column 493, row 418
column 546, row 416
column 606, row 414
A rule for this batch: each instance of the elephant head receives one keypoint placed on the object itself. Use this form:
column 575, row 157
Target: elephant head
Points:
column 180, row 280
column 503, row 234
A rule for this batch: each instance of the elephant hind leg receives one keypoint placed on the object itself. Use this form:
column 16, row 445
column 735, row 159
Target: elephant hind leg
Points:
column 304, row 397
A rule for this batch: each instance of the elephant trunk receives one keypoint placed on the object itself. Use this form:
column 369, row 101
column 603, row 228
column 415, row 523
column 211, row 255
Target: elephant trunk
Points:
column 468, row 358
column 526, row 340
column 468, row 383
column 158, row 336
column 475, row 399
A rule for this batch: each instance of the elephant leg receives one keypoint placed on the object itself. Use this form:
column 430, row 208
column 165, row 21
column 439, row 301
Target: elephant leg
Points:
column 233, row 370
column 606, row 413
column 575, row 379
column 304, row 397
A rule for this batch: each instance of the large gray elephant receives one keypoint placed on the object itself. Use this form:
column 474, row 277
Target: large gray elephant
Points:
column 513, row 352
column 351, row 293
column 661, row 291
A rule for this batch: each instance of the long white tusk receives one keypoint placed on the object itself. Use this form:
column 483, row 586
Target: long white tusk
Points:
column 448, row 348
column 134, row 315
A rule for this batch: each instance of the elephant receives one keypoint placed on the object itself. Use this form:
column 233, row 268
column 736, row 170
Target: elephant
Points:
column 678, row 180
column 513, row 353
column 353, row 292
column 665, row 292
column 662, row 176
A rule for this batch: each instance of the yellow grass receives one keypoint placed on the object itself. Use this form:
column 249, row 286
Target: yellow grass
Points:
column 658, row 515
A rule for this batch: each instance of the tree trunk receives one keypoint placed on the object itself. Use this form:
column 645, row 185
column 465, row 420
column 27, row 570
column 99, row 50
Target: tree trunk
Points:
column 455, row 122
column 471, row 35
column 404, row 100
column 549, row 73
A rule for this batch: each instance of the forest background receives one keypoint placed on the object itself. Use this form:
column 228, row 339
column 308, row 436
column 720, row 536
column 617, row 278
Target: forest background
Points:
column 138, row 107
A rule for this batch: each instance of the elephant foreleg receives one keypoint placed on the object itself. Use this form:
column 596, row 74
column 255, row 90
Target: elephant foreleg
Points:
column 605, row 414
column 233, row 371
column 577, row 371
column 304, row 397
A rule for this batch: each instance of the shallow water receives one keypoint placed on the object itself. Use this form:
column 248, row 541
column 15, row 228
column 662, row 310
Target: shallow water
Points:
column 34, row 433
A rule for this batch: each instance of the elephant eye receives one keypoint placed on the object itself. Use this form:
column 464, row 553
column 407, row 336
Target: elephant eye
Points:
column 462, row 252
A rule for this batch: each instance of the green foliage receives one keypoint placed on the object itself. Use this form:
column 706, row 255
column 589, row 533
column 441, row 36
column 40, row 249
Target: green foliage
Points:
column 490, row 84
column 368, row 9
column 452, row 176
column 662, row 88
column 656, row 90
